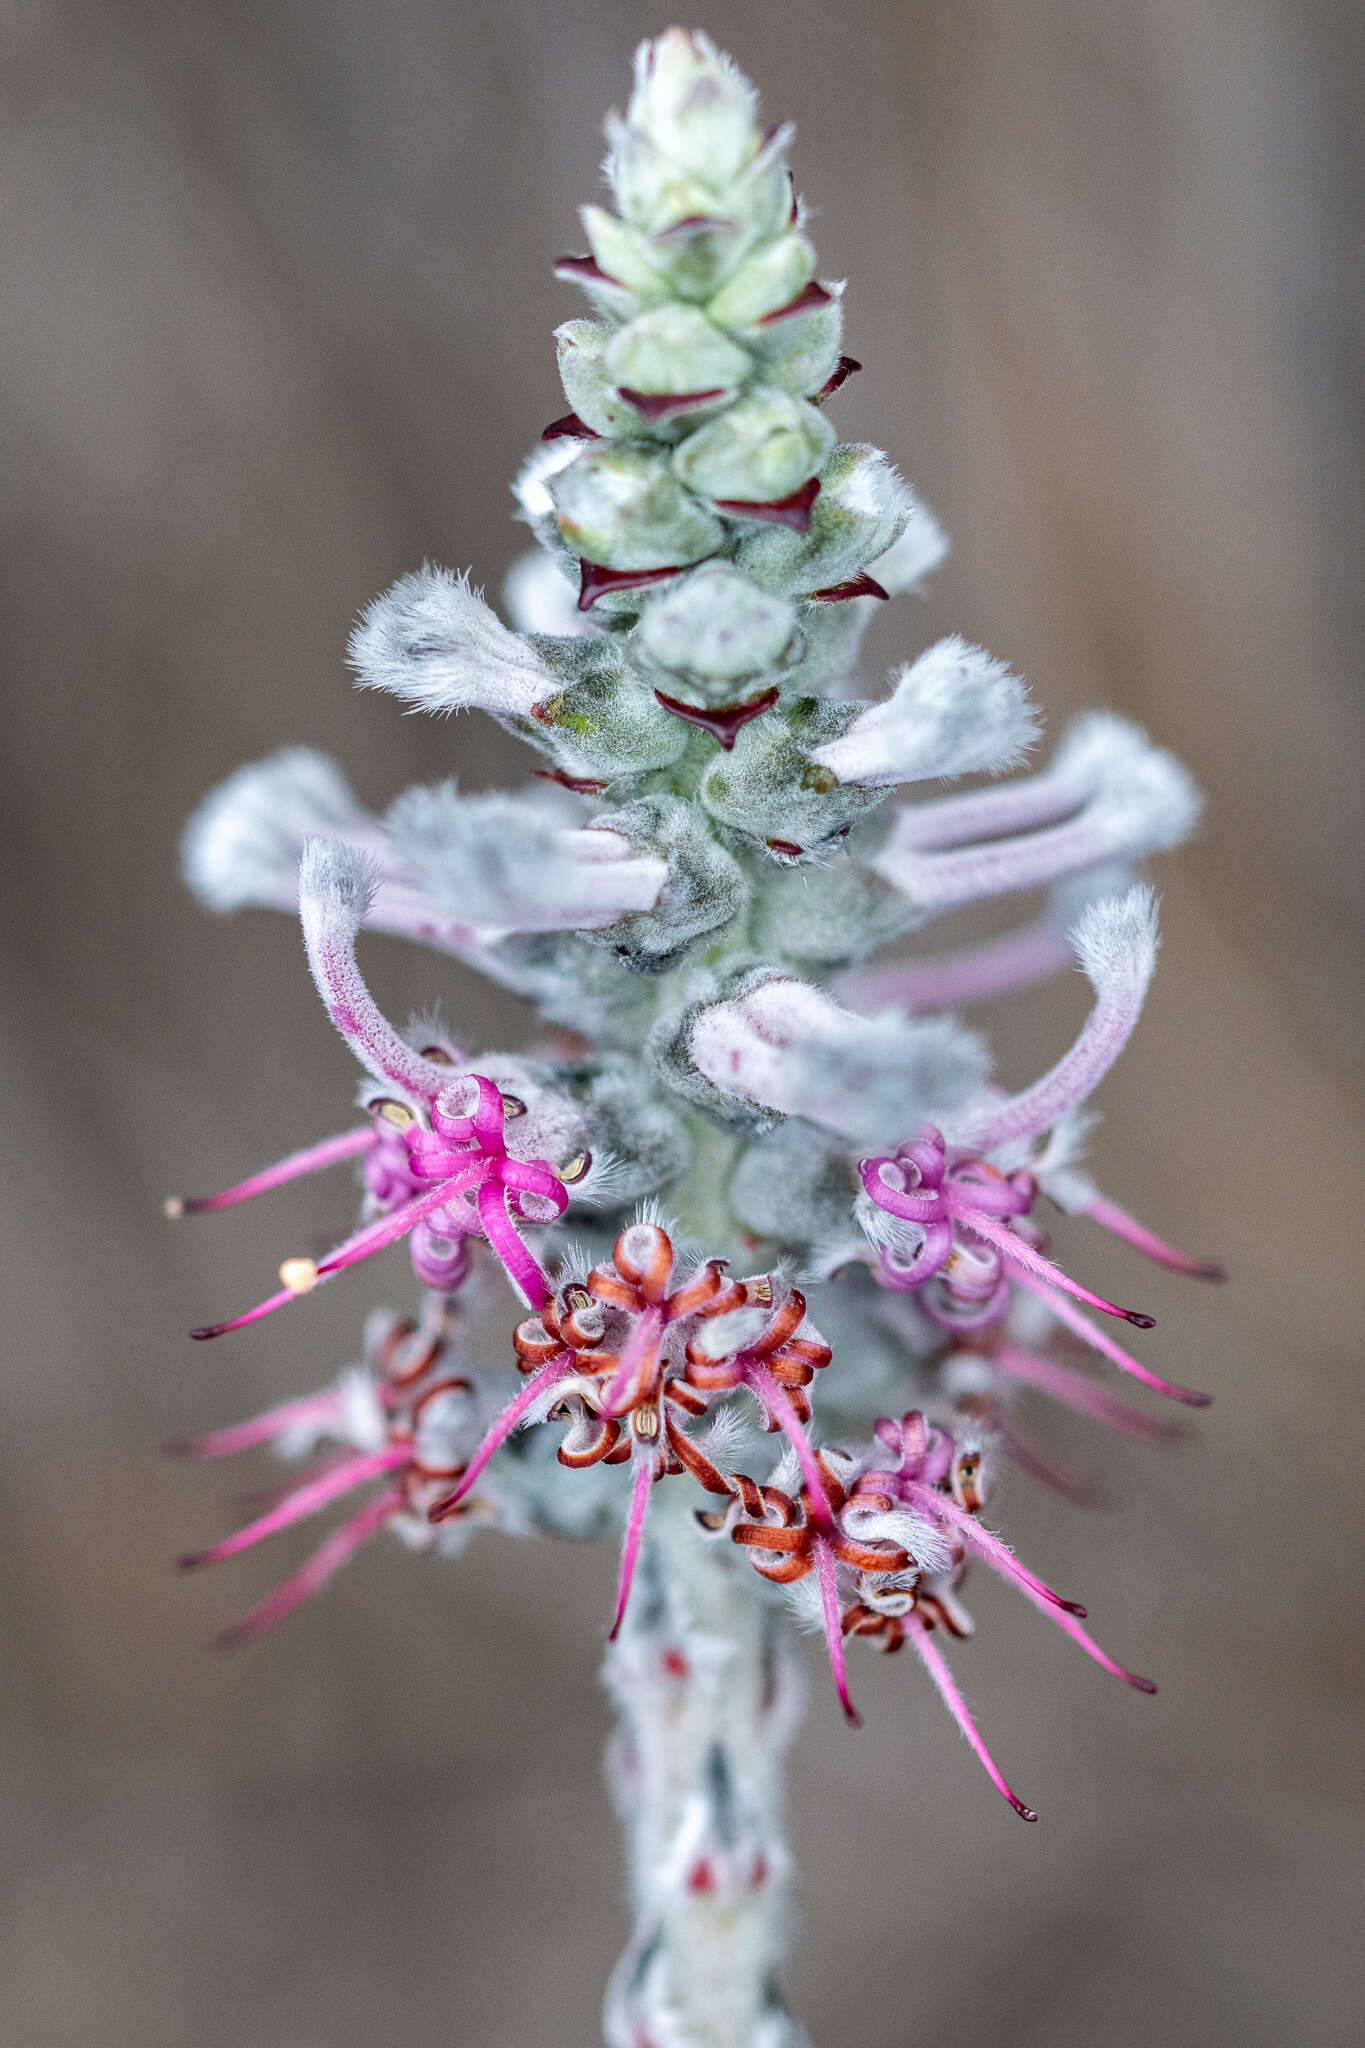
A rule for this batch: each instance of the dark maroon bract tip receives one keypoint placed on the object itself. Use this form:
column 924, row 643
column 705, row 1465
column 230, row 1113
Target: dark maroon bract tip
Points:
column 586, row 267
column 812, row 295
column 1072, row 1607
column 842, row 371
column 190, row 1561
column 1024, row 1812
column 1194, row 1400
column 1208, row 1269
column 569, row 427
column 1139, row 1322
column 209, row 1330
column 723, row 722
column 1147, row 1685
column 595, row 581
column 794, row 510
column 581, row 785
column 658, row 405
column 861, row 585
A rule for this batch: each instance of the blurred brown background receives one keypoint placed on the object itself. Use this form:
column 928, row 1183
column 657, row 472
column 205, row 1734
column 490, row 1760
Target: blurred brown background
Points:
column 276, row 325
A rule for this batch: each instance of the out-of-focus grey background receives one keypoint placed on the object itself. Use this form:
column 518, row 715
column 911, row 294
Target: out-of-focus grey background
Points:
column 275, row 325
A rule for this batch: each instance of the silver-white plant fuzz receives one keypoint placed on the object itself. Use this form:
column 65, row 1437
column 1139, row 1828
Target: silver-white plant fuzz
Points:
column 242, row 845
column 434, row 643
column 955, row 711
column 760, row 1230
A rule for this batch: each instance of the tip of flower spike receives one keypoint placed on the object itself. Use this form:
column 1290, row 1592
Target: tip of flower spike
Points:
column 174, row 1206
column 300, row 1276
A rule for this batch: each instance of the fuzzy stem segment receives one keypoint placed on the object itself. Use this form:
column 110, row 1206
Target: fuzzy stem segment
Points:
column 703, row 1677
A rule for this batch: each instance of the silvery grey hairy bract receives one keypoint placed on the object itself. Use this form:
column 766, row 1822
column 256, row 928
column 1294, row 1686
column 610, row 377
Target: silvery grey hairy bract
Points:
column 738, row 1263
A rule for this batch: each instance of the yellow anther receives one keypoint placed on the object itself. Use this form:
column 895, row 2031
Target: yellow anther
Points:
column 299, row 1275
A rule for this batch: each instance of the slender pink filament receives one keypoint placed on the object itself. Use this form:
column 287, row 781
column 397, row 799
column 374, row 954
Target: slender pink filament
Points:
column 996, row 1553
column 1077, row 1390
column 1021, row 1254
column 260, row 1429
column 521, row 1268
column 1092, row 1649
column 775, row 1397
column 339, row 1548
column 973, row 974
column 556, row 1368
column 312, row 1159
column 1102, row 1342
column 373, row 1238
column 834, row 1634
column 1109, row 1216
column 936, row 1665
column 304, row 1500
column 622, row 1389
column 635, row 1528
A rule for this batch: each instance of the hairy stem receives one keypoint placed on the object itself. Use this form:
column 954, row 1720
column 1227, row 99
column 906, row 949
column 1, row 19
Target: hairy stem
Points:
column 705, row 1684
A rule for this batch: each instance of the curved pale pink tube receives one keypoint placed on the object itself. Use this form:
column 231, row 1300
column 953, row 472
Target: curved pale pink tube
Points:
column 973, row 974
column 312, row 1159
column 1077, row 1074
column 326, row 1561
column 936, row 1665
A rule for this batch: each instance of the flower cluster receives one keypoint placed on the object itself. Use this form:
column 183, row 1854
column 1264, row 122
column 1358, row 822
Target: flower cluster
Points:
column 689, row 890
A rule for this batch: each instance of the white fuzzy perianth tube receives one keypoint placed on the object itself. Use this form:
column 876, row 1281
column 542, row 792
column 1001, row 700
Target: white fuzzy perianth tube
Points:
column 708, row 1696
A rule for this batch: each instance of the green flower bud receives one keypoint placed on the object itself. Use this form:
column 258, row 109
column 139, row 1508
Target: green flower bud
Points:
column 769, row 280
column 695, row 105
column 716, row 629
column 672, row 350
column 763, row 448
column 621, row 505
column 588, row 387
column 801, row 353
column 623, row 253
column 604, row 723
column 769, row 789
column 862, row 508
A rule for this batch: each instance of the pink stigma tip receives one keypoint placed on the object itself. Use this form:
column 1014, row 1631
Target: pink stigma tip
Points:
column 209, row 1330
column 1130, row 1315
